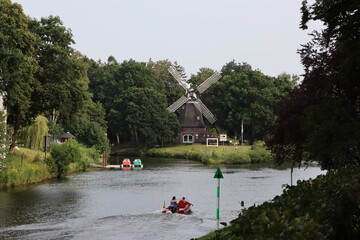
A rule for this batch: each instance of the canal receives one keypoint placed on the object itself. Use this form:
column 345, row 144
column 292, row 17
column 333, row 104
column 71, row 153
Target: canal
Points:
column 111, row 204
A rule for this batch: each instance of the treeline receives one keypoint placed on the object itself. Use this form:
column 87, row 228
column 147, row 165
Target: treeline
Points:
column 41, row 75
column 50, row 87
column 135, row 96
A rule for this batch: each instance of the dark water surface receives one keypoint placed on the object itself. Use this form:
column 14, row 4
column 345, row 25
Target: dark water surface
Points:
column 115, row 204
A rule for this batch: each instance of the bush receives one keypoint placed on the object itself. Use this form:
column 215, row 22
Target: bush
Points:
column 237, row 158
column 259, row 154
column 4, row 179
column 61, row 157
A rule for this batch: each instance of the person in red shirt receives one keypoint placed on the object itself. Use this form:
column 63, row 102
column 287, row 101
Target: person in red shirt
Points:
column 182, row 203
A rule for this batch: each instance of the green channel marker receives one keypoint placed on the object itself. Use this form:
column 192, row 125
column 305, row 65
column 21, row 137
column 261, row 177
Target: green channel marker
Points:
column 218, row 175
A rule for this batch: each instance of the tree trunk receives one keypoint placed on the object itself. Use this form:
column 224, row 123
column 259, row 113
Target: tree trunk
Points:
column 118, row 138
column 15, row 133
column 136, row 136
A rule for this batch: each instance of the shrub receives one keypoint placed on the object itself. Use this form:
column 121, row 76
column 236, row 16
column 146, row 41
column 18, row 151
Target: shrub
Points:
column 259, row 154
column 37, row 158
column 61, row 157
column 4, row 179
column 236, row 158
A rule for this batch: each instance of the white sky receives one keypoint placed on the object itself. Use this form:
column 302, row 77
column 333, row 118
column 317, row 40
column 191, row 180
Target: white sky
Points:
column 195, row 33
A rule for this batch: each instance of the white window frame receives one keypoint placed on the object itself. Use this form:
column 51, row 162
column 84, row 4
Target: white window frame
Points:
column 188, row 136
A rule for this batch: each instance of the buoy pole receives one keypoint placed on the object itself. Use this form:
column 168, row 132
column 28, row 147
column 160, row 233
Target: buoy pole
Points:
column 218, row 175
column 218, row 205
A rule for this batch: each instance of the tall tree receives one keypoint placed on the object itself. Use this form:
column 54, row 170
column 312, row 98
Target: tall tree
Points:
column 244, row 95
column 33, row 136
column 165, row 82
column 143, row 112
column 109, row 83
column 320, row 120
column 61, row 87
column 200, row 76
column 17, row 66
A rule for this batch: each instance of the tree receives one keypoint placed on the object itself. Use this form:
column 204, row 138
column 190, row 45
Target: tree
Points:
column 244, row 95
column 320, row 118
column 143, row 111
column 33, row 136
column 165, row 82
column 61, row 73
column 110, row 83
column 201, row 76
column 17, row 66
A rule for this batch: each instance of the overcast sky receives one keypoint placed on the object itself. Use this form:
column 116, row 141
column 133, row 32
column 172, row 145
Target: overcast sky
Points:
column 195, row 33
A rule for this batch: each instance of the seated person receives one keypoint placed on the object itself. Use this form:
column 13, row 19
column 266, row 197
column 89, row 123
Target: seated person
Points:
column 173, row 202
column 182, row 203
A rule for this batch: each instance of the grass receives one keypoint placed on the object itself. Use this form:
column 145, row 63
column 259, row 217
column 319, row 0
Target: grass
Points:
column 27, row 166
column 214, row 155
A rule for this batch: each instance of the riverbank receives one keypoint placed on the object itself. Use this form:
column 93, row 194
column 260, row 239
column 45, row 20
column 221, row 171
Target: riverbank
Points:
column 214, row 155
column 27, row 166
column 327, row 207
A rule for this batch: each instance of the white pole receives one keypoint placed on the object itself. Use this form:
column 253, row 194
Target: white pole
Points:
column 242, row 132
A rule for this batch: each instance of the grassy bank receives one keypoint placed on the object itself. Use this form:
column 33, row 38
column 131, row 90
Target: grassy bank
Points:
column 327, row 207
column 24, row 166
column 214, row 155
column 27, row 166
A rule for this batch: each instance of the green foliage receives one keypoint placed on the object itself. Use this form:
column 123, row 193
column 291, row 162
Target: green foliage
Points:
column 324, row 208
column 24, row 166
column 33, row 136
column 55, row 129
column 17, row 65
column 27, row 166
column 89, row 127
column 320, row 119
column 215, row 155
column 245, row 95
column 165, row 82
column 258, row 153
column 143, row 111
column 3, row 143
column 61, row 87
column 61, row 157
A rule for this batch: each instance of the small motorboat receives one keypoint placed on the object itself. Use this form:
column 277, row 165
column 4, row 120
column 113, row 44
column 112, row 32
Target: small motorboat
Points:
column 183, row 210
column 137, row 164
column 126, row 164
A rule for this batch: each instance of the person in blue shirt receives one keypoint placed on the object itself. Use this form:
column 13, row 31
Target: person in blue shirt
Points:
column 173, row 205
column 173, row 202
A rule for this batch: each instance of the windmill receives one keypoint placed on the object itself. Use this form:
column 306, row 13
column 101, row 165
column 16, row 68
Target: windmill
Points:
column 192, row 108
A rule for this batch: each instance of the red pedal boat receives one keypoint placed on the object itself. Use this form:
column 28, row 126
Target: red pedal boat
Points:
column 126, row 164
column 181, row 210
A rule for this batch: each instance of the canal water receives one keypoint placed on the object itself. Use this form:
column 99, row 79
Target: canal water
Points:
column 112, row 204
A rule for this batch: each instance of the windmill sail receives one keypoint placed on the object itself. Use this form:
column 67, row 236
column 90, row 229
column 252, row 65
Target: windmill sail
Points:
column 172, row 70
column 206, row 112
column 173, row 107
column 206, row 84
column 190, row 96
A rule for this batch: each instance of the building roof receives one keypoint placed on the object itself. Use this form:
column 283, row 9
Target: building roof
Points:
column 67, row 135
